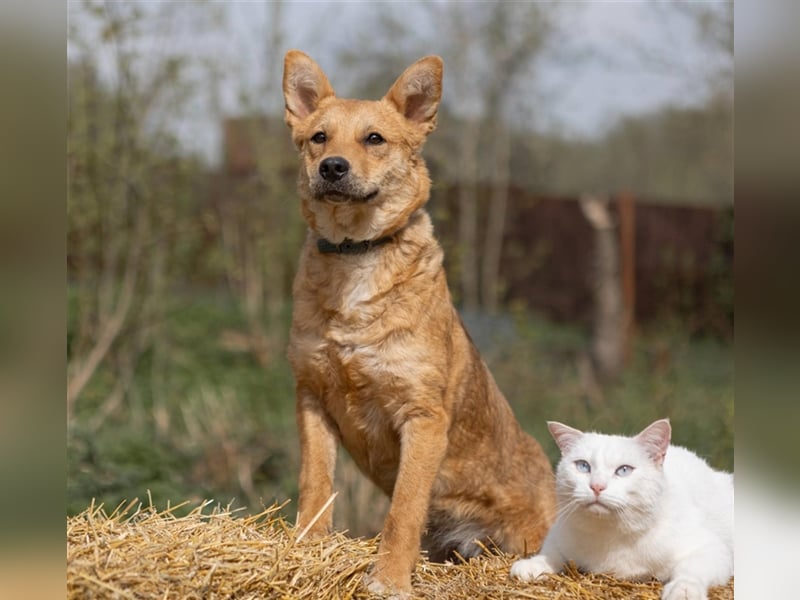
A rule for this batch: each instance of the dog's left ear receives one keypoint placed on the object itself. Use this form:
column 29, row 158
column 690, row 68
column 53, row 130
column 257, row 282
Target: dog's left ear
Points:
column 417, row 92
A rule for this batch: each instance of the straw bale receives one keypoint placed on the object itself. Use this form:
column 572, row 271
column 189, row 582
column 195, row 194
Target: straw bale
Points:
column 138, row 552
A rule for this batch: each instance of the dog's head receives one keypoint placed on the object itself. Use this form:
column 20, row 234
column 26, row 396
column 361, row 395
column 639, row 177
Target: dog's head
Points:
column 362, row 174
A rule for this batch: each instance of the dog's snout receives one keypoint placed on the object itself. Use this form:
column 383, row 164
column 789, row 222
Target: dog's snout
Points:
column 334, row 168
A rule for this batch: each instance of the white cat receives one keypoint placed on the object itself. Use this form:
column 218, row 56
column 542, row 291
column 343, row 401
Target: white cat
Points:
column 638, row 508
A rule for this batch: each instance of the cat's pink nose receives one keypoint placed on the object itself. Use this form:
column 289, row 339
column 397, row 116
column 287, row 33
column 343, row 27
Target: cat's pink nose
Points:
column 597, row 487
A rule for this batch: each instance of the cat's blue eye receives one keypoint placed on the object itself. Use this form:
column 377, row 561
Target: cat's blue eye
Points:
column 583, row 466
column 624, row 470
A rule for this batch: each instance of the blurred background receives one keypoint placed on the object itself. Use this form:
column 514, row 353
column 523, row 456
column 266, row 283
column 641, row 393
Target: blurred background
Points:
column 583, row 192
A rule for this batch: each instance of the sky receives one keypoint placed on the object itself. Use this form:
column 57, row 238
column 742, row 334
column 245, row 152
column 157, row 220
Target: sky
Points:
column 608, row 59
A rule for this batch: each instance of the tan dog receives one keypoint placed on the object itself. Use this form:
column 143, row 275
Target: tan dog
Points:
column 382, row 362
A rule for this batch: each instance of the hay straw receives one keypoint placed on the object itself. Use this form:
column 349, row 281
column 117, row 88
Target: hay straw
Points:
column 138, row 553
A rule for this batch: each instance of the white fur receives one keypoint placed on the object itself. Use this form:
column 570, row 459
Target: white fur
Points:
column 674, row 522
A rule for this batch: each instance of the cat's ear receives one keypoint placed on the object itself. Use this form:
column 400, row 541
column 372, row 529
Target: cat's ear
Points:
column 565, row 436
column 655, row 440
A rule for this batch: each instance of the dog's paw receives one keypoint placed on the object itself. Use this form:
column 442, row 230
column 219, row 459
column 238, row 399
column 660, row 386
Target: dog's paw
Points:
column 684, row 588
column 385, row 590
column 528, row 569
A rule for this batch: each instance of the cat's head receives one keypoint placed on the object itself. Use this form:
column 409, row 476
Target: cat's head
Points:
column 602, row 477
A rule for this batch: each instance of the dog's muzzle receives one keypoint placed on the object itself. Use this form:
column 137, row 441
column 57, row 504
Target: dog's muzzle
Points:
column 336, row 184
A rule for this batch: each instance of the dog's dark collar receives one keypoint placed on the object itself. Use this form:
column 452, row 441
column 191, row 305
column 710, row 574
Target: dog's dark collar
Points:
column 349, row 246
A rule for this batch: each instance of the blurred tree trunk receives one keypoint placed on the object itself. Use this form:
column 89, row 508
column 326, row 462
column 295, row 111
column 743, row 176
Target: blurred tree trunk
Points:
column 626, row 205
column 468, row 214
column 496, row 219
column 609, row 329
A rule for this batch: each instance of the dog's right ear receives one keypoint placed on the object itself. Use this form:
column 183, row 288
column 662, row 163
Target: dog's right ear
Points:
column 304, row 86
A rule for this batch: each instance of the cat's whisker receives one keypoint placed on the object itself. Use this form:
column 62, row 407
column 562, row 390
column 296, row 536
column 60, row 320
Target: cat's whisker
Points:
column 567, row 510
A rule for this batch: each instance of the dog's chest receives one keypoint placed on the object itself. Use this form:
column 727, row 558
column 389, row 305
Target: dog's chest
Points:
column 354, row 376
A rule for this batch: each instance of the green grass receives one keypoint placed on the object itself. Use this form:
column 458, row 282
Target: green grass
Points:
column 202, row 421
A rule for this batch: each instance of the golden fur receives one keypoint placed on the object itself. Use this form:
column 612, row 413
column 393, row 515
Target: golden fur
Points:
column 382, row 362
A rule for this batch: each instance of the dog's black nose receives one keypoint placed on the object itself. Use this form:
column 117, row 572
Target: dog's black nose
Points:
column 333, row 168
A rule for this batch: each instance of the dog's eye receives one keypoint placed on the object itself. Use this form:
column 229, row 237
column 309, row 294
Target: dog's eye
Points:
column 375, row 139
column 319, row 138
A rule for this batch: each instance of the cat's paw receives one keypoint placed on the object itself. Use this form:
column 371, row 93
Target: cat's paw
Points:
column 528, row 569
column 684, row 588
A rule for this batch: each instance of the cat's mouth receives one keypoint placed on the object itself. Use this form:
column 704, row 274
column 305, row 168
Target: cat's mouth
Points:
column 597, row 507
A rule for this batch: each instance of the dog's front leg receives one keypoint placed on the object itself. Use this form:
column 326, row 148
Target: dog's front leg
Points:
column 423, row 444
column 317, row 463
